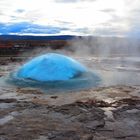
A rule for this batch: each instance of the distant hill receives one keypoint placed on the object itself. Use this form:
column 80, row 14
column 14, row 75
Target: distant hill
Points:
column 103, row 46
column 40, row 38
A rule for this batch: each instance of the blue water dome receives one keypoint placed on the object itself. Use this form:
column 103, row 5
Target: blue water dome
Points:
column 51, row 67
column 53, row 73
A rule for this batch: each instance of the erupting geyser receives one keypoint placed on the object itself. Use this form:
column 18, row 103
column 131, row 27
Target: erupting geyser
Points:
column 51, row 67
column 54, row 72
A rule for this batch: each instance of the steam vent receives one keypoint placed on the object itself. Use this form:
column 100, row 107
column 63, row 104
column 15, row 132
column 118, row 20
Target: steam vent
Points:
column 54, row 72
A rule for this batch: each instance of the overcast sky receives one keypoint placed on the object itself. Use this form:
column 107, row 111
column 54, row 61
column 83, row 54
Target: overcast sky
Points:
column 76, row 17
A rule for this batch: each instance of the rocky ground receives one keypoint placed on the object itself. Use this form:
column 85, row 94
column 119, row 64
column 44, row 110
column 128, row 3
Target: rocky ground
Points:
column 102, row 113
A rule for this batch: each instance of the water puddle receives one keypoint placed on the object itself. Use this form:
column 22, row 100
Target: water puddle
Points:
column 6, row 105
column 6, row 119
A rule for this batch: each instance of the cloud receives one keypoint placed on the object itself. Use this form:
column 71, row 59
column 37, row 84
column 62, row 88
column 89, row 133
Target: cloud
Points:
column 20, row 10
column 66, row 1
column 70, row 1
column 108, row 10
column 87, row 17
column 108, row 31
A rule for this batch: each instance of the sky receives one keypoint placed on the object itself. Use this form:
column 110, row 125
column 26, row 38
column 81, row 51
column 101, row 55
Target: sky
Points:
column 70, row 17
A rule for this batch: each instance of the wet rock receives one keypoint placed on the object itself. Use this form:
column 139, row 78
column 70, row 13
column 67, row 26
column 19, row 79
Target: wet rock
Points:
column 125, row 112
column 132, row 138
column 87, row 137
column 133, row 111
column 42, row 138
column 54, row 97
column 10, row 100
column 94, row 102
column 128, row 101
column 127, row 122
column 39, row 101
column 5, row 119
column 3, row 63
column 88, row 111
column 28, row 91
column 69, row 135
column 109, row 114
column 95, row 124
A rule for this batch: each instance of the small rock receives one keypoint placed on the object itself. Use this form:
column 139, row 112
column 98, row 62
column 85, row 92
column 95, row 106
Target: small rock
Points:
column 54, row 97
column 87, row 137
column 94, row 124
column 28, row 91
column 10, row 100
column 133, row 111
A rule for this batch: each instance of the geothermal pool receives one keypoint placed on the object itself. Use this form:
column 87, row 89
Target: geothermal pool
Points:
column 112, row 70
column 101, row 109
column 53, row 72
column 115, row 70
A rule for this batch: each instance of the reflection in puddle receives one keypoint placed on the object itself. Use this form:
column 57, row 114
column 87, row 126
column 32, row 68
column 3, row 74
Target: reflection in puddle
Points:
column 108, row 112
column 6, row 119
column 6, row 105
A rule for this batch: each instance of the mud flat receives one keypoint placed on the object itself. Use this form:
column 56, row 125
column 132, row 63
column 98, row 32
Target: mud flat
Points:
column 102, row 113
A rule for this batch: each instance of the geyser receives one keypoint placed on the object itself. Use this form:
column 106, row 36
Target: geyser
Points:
column 51, row 67
column 54, row 72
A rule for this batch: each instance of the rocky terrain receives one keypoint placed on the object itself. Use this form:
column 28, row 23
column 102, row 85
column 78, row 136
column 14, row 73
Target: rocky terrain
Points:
column 108, row 112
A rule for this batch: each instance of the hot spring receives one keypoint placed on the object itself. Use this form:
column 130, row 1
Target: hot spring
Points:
column 53, row 73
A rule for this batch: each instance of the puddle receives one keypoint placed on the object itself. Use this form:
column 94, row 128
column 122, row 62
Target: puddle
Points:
column 118, row 71
column 6, row 119
column 133, row 111
column 108, row 112
column 42, row 138
column 6, row 105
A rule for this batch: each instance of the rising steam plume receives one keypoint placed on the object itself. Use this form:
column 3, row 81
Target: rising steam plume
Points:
column 96, row 47
column 105, row 46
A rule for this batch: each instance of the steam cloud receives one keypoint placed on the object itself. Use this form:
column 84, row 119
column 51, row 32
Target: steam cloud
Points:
column 104, row 55
column 105, row 46
column 95, row 47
